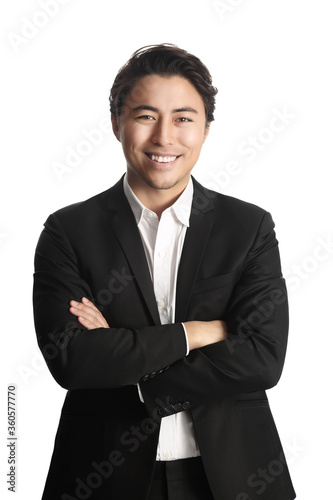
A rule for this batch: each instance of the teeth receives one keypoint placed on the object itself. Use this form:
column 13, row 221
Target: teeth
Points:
column 163, row 159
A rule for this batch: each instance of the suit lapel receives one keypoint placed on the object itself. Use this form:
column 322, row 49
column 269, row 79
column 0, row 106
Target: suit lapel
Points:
column 201, row 223
column 125, row 229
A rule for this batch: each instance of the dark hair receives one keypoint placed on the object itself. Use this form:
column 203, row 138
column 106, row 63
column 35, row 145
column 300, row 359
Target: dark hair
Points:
column 164, row 60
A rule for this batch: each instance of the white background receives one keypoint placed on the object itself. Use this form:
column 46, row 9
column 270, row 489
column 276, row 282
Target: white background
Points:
column 265, row 57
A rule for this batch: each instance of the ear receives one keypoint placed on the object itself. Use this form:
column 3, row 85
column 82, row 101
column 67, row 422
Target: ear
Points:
column 115, row 126
column 207, row 129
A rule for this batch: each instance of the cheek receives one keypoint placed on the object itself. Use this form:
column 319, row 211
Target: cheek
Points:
column 192, row 139
column 134, row 137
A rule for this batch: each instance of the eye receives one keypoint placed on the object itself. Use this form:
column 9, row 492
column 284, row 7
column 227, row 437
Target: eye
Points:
column 145, row 117
column 183, row 119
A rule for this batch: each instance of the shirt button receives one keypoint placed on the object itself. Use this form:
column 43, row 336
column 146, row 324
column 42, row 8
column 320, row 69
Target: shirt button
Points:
column 168, row 454
column 161, row 303
column 161, row 254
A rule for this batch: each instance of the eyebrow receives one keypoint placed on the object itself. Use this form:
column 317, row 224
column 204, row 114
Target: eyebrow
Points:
column 152, row 108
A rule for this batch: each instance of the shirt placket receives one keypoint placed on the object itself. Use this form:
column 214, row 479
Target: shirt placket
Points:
column 162, row 268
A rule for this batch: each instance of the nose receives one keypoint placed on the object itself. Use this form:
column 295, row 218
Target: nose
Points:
column 163, row 133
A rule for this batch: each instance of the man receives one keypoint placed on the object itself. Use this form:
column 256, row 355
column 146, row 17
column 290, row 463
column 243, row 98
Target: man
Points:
column 161, row 307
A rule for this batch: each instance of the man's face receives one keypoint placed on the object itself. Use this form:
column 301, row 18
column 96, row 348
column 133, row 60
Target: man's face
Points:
column 162, row 128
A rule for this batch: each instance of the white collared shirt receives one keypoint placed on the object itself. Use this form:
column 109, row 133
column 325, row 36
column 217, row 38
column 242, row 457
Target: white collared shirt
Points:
column 163, row 243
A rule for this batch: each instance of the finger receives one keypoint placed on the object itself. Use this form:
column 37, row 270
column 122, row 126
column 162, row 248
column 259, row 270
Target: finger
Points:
column 86, row 313
column 87, row 307
column 88, row 303
column 86, row 323
column 85, row 303
column 91, row 316
column 89, row 322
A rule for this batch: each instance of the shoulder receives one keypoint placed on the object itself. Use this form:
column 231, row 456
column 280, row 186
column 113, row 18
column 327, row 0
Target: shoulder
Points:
column 225, row 206
column 91, row 209
column 233, row 219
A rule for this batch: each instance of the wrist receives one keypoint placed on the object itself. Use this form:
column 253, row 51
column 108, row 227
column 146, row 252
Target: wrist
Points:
column 194, row 335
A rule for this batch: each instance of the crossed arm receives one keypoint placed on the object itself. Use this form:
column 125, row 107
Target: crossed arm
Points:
column 250, row 358
column 199, row 333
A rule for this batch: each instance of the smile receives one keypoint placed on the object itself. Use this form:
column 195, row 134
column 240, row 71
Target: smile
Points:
column 162, row 159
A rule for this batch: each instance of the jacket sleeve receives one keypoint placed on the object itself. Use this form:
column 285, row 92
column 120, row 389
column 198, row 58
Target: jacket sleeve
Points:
column 89, row 359
column 252, row 357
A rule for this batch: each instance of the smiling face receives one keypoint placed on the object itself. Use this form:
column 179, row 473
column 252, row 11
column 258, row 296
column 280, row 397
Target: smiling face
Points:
column 162, row 128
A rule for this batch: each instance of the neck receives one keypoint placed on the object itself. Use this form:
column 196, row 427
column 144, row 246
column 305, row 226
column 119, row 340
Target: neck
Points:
column 156, row 199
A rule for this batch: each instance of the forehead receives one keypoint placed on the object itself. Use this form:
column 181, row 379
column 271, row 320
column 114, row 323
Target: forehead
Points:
column 165, row 92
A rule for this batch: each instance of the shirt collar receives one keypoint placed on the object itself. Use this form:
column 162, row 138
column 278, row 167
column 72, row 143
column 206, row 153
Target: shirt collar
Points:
column 181, row 208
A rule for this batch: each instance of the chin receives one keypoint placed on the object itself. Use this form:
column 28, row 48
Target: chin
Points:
column 162, row 183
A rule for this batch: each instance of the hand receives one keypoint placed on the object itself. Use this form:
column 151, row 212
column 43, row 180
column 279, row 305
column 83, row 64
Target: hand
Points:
column 202, row 333
column 87, row 314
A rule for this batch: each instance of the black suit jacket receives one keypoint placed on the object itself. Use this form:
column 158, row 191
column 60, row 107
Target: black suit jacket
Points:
column 105, row 446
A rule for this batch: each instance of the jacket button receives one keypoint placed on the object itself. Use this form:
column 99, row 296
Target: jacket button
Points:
column 144, row 378
column 162, row 412
column 150, row 426
column 186, row 405
column 177, row 407
column 170, row 409
column 152, row 375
